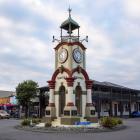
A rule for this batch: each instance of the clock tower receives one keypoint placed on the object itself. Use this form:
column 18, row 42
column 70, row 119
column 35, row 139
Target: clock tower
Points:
column 70, row 87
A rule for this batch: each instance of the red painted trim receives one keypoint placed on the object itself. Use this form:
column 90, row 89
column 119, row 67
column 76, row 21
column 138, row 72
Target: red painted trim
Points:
column 70, row 44
column 70, row 81
column 89, row 84
column 79, row 69
column 51, row 84
column 89, row 104
column 58, row 71
column 51, row 104
column 70, row 104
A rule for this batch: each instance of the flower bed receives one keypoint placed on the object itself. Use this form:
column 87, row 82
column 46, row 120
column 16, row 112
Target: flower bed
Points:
column 110, row 122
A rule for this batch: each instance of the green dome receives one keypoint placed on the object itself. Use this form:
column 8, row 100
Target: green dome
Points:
column 69, row 22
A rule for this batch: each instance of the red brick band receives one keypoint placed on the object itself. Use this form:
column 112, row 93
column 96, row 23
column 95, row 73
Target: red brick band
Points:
column 89, row 104
column 70, row 81
column 51, row 105
column 89, row 84
column 51, row 84
column 70, row 104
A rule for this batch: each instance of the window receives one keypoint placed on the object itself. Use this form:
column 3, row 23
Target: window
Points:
column 126, row 107
column 47, row 112
column 67, row 113
column 73, row 112
column 92, row 112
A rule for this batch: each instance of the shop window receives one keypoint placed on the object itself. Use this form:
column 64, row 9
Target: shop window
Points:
column 106, row 107
column 126, row 107
column 135, row 107
column 139, row 106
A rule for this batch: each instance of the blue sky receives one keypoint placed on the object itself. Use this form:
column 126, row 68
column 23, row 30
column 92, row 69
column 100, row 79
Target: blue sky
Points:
column 27, row 27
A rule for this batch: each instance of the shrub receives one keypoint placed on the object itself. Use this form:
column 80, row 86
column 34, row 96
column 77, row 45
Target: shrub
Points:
column 48, row 124
column 120, row 121
column 25, row 122
column 36, row 121
column 110, row 122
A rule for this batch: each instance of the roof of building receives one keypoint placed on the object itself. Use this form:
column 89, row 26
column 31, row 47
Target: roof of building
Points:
column 6, row 93
column 109, row 84
column 102, row 84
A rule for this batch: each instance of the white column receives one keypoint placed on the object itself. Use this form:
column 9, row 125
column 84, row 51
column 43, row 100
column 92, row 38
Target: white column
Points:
column 51, row 98
column 83, row 105
column 70, row 99
column 89, row 96
column 70, row 95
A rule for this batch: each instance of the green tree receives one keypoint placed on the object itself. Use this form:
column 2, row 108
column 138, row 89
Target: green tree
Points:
column 25, row 92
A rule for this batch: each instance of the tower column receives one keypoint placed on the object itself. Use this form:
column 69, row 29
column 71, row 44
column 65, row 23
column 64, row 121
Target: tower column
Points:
column 50, row 109
column 51, row 99
column 90, row 109
column 89, row 92
column 70, row 99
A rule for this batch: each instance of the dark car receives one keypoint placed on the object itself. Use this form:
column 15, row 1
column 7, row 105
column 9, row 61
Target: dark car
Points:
column 135, row 114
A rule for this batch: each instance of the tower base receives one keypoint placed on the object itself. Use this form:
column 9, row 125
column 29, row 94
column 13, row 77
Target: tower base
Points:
column 50, row 114
column 69, row 120
column 92, row 119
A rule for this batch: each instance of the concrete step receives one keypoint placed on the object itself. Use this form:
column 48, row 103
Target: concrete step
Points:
column 56, row 122
column 83, row 120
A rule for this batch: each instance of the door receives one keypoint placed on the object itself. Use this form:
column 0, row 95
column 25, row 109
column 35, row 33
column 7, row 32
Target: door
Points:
column 78, row 98
column 115, row 109
column 62, row 99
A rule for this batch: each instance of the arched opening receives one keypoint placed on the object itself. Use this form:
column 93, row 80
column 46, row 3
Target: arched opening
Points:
column 78, row 98
column 62, row 99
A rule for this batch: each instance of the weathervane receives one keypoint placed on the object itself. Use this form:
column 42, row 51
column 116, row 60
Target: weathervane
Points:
column 69, row 10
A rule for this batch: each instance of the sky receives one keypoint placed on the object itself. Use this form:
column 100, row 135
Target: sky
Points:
column 26, row 47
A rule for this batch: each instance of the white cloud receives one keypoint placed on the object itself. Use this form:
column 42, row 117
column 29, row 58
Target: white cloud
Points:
column 6, row 24
column 132, row 8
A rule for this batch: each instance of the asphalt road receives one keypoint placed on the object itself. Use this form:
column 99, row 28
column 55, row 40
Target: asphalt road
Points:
column 8, row 132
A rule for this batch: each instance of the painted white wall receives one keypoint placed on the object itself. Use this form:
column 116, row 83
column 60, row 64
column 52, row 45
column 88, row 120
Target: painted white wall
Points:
column 62, row 80
column 80, row 79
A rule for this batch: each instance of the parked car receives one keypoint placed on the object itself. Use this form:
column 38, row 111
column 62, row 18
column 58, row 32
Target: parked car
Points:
column 4, row 114
column 135, row 114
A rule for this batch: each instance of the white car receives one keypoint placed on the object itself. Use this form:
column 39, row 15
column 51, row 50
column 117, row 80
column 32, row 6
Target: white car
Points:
column 4, row 114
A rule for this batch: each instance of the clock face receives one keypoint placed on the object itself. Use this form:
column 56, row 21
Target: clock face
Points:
column 77, row 55
column 63, row 54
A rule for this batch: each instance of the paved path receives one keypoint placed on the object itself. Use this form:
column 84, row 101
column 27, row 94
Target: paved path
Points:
column 8, row 132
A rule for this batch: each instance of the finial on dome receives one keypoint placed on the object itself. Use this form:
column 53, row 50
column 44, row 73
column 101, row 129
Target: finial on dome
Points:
column 69, row 10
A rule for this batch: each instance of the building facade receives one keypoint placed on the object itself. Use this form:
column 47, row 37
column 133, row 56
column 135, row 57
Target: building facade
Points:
column 114, row 100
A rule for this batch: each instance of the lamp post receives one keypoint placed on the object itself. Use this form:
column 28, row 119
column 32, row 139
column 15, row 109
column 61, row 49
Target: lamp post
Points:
column 38, row 95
